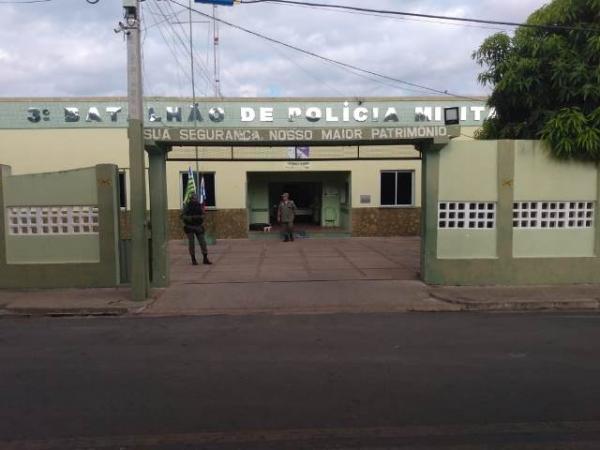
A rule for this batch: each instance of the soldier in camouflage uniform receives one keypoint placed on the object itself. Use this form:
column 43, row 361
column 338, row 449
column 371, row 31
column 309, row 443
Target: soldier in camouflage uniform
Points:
column 285, row 215
column 193, row 220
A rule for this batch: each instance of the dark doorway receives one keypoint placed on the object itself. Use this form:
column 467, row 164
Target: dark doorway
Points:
column 306, row 195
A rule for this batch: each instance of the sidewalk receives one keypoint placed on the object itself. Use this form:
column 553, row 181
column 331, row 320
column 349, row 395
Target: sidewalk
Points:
column 305, row 277
column 520, row 298
column 71, row 302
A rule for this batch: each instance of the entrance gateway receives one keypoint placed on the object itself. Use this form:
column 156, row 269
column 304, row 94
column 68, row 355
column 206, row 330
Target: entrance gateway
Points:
column 299, row 141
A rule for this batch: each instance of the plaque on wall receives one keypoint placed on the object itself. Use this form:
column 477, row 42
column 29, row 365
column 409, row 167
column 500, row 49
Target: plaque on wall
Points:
column 365, row 199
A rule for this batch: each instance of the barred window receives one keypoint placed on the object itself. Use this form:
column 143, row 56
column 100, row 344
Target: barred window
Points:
column 44, row 220
column 553, row 214
column 471, row 215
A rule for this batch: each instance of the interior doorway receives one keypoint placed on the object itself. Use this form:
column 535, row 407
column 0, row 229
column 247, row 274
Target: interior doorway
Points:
column 322, row 200
column 306, row 195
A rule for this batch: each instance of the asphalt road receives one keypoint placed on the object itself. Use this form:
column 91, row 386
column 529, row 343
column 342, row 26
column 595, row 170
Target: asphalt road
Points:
column 410, row 381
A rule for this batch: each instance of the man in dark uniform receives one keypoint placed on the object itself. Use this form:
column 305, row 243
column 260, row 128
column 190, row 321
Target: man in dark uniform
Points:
column 285, row 215
column 193, row 219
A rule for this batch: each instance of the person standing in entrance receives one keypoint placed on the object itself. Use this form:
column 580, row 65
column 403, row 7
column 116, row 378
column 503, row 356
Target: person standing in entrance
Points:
column 285, row 216
column 193, row 225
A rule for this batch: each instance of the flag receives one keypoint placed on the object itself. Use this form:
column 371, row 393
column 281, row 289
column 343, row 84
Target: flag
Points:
column 190, row 188
column 202, row 194
column 303, row 152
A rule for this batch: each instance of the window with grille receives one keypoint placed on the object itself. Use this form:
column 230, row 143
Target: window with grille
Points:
column 397, row 188
column 553, row 214
column 44, row 220
column 471, row 215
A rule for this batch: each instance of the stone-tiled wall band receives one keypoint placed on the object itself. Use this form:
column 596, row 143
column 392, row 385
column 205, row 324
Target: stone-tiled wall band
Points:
column 233, row 223
column 222, row 224
column 386, row 222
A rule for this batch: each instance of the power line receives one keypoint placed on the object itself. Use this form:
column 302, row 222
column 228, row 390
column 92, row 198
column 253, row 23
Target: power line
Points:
column 405, row 19
column 307, row 72
column 24, row 2
column 324, row 58
column 198, row 60
column 427, row 16
column 171, row 49
column 156, row 23
column 181, row 41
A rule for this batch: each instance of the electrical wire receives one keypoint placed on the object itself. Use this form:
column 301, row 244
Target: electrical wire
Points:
column 324, row 58
column 23, row 2
column 160, row 22
column 408, row 19
column 171, row 49
column 198, row 61
column 184, row 45
column 307, row 72
column 427, row 16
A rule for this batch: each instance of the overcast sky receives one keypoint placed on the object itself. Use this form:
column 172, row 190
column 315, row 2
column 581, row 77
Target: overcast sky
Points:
column 69, row 48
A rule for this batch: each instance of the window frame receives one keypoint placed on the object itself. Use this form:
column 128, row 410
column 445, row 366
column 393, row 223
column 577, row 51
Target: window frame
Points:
column 182, row 188
column 123, row 192
column 412, row 187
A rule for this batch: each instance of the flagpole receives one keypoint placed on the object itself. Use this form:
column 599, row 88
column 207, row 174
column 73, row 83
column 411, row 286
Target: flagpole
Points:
column 193, row 92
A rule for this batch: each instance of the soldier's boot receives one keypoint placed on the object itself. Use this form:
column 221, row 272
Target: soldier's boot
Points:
column 194, row 262
column 205, row 259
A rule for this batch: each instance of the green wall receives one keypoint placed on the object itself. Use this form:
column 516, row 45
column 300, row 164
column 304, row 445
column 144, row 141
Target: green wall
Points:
column 461, row 244
column 553, row 243
column 52, row 249
column 468, row 172
column 538, row 176
column 507, row 173
column 69, row 187
column 76, row 260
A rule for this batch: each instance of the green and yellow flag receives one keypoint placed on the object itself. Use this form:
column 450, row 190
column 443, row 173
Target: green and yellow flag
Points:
column 190, row 188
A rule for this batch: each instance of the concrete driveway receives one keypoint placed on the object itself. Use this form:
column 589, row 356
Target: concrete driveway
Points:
column 302, row 260
column 305, row 276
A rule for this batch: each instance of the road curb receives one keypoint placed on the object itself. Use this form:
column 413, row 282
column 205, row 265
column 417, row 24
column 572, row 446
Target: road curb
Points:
column 467, row 304
column 56, row 312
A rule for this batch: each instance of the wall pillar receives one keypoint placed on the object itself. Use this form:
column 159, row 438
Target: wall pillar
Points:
column 157, row 179
column 597, row 214
column 4, row 173
column 108, row 205
column 504, row 210
column 430, row 180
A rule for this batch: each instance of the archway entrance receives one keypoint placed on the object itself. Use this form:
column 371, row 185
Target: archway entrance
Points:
column 322, row 194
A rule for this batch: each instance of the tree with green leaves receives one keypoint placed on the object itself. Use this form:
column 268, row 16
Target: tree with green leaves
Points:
column 546, row 80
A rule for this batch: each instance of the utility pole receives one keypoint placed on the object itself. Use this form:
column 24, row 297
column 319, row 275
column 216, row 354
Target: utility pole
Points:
column 137, row 170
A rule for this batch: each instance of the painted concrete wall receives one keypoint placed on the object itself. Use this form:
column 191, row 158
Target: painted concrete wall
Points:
column 48, row 150
column 468, row 173
column 533, row 240
column 230, row 177
column 77, row 258
column 66, row 188
column 538, row 176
